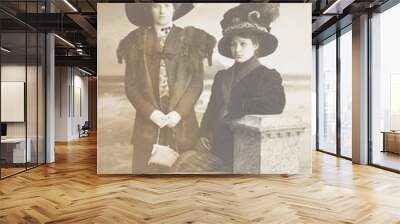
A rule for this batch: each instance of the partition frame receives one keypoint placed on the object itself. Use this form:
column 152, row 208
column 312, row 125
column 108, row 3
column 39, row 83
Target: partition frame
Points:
column 43, row 55
column 337, row 35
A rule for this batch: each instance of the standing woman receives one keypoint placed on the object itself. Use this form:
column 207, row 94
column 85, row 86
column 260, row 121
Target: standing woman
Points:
column 163, row 79
column 247, row 87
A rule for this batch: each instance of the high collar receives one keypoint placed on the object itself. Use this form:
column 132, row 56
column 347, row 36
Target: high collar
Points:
column 172, row 42
column 252, row 60
column 241, row 70
column 163, row 31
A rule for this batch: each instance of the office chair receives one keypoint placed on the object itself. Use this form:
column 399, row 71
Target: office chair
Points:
column 84, row 130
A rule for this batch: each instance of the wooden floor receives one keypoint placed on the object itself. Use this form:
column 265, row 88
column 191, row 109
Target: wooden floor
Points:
column 5, row 172
column 69, row 191
column 8, row 171
column 387, row 159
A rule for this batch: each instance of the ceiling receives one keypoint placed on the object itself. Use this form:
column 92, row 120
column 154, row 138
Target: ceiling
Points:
column 74, row 21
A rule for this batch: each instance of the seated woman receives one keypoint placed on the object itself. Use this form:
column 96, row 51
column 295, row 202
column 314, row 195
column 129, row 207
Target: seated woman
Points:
column 247, row 87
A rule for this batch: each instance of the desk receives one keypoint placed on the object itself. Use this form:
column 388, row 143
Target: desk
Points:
column 391, row 141
column 15, row 148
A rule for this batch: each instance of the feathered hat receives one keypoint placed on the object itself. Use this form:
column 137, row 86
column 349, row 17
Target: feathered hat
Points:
column 254, row 18
column 139, row 13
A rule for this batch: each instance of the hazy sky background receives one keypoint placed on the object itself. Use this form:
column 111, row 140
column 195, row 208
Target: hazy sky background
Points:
column 292, row 28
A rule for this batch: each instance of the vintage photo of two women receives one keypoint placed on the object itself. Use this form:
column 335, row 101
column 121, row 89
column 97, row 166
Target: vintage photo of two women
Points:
column 211, row 88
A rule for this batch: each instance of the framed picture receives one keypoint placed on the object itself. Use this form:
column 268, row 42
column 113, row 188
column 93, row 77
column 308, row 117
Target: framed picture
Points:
column 204, row 88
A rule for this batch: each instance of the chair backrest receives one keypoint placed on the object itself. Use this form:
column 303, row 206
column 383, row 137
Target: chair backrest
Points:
column 86, row 125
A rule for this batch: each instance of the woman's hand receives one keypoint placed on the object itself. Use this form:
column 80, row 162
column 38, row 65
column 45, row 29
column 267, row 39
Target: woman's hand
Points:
column 205, row 143
column 159, row 118
column 173, row 118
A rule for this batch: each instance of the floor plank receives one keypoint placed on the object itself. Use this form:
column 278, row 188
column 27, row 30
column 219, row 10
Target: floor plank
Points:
column 69, row 191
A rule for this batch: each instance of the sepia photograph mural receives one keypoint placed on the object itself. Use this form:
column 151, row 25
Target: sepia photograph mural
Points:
column 211, row 88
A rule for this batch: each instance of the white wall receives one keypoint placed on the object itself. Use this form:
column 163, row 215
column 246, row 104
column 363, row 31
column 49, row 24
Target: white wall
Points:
column 15, row 73
column 70, row 83
column 79, row 112
column 62, row 81
column 33, row 126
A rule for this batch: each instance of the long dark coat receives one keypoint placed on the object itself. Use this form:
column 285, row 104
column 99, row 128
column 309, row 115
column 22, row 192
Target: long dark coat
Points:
column 248, row 88
column 183, row 53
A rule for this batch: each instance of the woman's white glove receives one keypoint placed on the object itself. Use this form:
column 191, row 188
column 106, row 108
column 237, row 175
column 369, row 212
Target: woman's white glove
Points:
column 173, row 118
column 159, row 118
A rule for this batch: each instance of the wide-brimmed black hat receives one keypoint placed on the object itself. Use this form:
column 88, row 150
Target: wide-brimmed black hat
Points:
column 139, row 13
column 250, row 18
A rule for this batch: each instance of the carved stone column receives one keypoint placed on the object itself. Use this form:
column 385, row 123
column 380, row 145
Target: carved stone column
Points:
column 267, row 144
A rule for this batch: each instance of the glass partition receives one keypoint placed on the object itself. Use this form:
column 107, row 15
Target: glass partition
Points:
column 31, row 100
column 13, row 105
column 41, row 107
column 385, row 89
column 346, row 93
column 23, row 90
column 327, row 96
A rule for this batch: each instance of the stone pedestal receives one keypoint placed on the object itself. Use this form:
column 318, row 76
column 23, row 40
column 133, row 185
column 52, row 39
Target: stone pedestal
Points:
column 267, row 144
